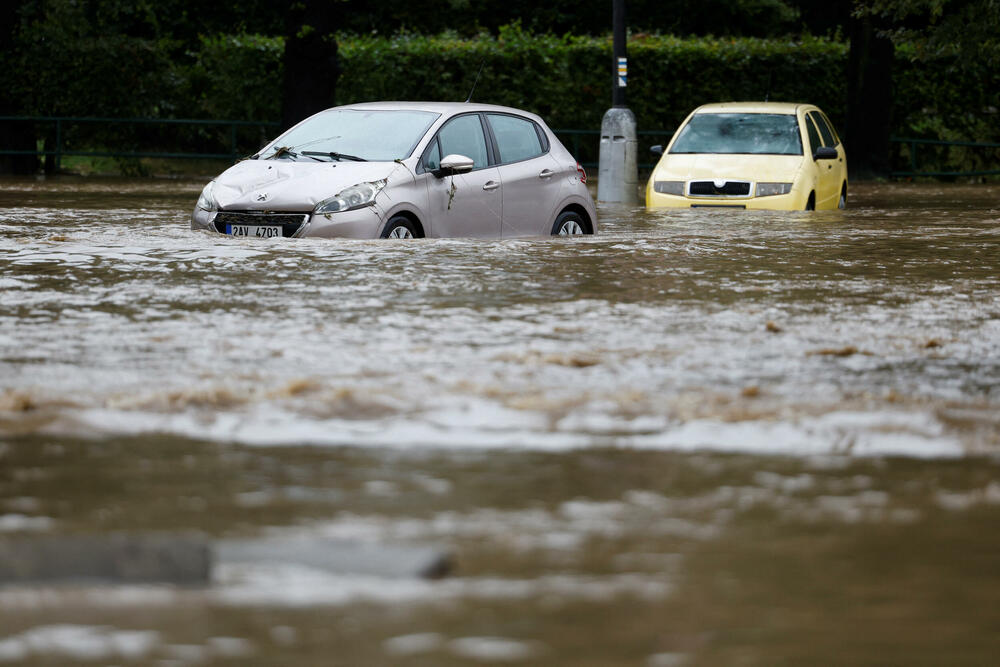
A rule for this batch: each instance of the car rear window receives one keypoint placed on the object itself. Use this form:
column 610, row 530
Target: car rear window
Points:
column 517, row 139
column 740, row 133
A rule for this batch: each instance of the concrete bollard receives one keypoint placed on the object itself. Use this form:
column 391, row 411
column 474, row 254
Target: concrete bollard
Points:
column 618, row 170
column 189, row 560
column 116, row 558
column 340, row 556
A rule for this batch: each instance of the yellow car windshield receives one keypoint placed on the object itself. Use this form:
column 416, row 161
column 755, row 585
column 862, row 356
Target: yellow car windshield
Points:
column 740, row 133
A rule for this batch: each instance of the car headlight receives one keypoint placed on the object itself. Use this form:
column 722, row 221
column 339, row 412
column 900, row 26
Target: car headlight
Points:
column 206, row 201
column 769, row 189
column 669, row 187
column 353, row 197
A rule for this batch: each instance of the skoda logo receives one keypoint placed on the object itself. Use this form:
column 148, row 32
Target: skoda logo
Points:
column 262, row 196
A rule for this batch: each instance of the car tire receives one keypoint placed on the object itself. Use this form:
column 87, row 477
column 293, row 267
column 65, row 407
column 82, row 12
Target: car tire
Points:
column 569, row 223
column 842, row 204
column 399, row 227
column 811, row 203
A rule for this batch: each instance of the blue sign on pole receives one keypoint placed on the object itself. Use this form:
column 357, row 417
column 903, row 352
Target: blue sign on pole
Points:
column 622, row 72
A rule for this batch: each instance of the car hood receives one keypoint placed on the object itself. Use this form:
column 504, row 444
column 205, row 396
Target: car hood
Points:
column 282, row 185
column 767, row 168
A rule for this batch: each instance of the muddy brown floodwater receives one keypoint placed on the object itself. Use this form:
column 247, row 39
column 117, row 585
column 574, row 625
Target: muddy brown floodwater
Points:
column 695, row 438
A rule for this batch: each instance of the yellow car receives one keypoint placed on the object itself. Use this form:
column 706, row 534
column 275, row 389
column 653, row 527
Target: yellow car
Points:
column 765, row 155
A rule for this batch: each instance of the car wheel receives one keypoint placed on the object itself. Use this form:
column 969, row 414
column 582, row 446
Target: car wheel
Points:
column 399, row 227
column 569, row 224
column 843, row 199
column 811, row 204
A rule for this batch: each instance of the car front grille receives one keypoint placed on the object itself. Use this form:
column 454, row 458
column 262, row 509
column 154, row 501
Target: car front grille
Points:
column 728, row 189
column 290, row 222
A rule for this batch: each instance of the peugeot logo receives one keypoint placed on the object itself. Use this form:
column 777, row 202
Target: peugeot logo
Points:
column 262, row 196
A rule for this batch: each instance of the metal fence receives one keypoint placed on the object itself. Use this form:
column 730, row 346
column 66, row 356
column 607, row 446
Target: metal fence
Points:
column 985, row 155
column 65, row 136
column 56, row 129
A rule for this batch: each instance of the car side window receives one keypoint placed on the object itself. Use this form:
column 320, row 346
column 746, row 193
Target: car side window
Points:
column 824, row 129
column 432, row 156
column 833, row 130
column 516, row 138
column 464, row 136
column 814, row 141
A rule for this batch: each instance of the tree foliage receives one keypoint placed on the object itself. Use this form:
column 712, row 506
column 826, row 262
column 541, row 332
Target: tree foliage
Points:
column 968, row 30
column 565, row 79
column 753, row 18
column 177, row 59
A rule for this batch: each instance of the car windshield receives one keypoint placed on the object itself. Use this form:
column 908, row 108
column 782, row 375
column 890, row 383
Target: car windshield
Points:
column 754, row 133
column 354, row 134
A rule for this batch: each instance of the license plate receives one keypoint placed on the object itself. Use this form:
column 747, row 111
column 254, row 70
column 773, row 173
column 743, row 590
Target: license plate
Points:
column 260, row 231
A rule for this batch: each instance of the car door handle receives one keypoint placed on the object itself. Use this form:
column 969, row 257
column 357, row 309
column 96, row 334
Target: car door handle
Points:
column 491, row 185
column 545, row 173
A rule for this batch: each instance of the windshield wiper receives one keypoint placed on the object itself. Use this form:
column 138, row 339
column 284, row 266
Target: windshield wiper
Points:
column 283, row 151
column 335, row 155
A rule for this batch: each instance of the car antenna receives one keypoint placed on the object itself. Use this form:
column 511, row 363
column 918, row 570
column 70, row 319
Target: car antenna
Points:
column 469, row 98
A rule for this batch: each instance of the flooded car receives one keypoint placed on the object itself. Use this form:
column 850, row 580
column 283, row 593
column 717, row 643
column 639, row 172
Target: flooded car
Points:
column 758, row 155
column 404, row 170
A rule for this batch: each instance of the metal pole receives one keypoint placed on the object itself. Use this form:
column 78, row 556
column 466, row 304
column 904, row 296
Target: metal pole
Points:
column 617, row 170
column 58, row 145
column 619, row 73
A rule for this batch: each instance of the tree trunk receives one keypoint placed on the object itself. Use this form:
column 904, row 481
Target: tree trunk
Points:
column 869, row 100
column 310, row 60
column 17, row 136
column 14, row 135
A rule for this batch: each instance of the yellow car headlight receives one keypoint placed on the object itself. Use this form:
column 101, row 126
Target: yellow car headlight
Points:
column 669, row 187
column 771, row 189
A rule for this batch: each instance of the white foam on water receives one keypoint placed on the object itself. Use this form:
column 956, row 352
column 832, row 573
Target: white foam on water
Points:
column 493, row 649
column 413, row 644
column 273, row 584
column 12, row 523
column 489, row 426
column 268, row 584
column 78, row 642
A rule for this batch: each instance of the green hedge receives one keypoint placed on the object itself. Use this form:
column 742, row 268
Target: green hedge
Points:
column 567, row 80
column 564, row 79
column 236, row 77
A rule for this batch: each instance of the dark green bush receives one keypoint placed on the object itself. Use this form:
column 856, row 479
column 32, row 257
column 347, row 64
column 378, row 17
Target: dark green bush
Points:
column 567, row 80
column 236, row 77
column 949, row 99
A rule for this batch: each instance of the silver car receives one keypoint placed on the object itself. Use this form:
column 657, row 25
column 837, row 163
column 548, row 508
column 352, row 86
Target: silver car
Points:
column 404, row 170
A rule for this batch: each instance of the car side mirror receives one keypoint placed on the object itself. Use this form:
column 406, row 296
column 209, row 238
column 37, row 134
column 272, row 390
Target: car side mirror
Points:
column 454, row 164
column 657, row 149
column 825, row 153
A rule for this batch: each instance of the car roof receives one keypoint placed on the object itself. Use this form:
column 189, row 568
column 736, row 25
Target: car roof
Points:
column 752, row 107
column 447, row 108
